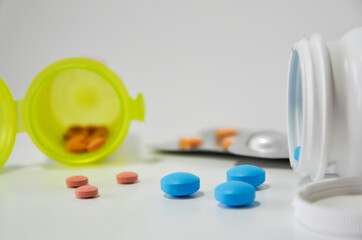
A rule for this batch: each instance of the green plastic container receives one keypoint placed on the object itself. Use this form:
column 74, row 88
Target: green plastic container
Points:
column 74, row 91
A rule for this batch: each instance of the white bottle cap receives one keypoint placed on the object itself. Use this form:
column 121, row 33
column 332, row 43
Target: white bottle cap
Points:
column 329, row 220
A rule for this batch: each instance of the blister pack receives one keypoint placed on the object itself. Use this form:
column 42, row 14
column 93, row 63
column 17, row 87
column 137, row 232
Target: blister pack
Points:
column 229, row 141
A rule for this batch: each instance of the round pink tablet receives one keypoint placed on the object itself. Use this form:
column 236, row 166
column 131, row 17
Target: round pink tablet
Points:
column 76, row 181
column 127, row 177
column 86, row 191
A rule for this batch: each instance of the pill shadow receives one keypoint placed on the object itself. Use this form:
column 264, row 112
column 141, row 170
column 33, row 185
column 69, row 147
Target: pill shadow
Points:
column 192, row 196
column 247, row 206
column 262, row 187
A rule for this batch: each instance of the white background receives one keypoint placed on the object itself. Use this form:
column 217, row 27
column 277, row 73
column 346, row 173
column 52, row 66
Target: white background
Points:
column 200, row 64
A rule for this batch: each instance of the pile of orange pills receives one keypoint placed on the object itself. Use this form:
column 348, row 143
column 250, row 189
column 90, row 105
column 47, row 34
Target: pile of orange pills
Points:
column 85, row 139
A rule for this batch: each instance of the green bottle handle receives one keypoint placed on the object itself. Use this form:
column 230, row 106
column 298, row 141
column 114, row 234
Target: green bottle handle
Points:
column 137, row 108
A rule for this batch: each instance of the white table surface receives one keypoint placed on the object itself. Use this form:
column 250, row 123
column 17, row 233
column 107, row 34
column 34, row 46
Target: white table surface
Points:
column 36, row 204
column 221, row 62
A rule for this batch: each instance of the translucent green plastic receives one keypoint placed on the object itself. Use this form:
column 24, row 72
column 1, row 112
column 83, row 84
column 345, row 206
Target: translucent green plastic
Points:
column 8, row 123
column 74, row 91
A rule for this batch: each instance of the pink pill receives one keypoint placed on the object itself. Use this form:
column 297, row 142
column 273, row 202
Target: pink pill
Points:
column 86, row 191
column 127, row 177
column 76, row 181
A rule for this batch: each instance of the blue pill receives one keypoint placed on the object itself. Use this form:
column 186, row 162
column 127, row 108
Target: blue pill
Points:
column 297, row 153
column 235, row 193
column 246, row 173
column 180, row 184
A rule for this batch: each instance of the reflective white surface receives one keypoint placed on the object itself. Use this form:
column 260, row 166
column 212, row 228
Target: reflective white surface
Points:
column 193, row 60
column 36, row 204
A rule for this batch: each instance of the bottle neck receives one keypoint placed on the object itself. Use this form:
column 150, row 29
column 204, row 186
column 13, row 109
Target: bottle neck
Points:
column 309, row 106
column 325, row 106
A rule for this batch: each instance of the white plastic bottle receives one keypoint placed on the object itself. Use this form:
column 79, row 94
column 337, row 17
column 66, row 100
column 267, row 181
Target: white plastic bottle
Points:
column 325, row 106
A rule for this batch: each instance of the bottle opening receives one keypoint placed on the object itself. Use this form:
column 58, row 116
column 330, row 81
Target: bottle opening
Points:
column 74, row 97
column 295, row 109
column 79, row 93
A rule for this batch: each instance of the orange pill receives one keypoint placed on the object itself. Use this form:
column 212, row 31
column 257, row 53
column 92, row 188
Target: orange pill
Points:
column 127, row 177
column 226, row 142
column 75, row 131
column 185, row 144
column 188, row 143
column 222, row 133
column 91, row 129
column 76, row 181
column 100, row 132
column 196, row 142
column 95, row 143
column 77, row 144
column 86, row 191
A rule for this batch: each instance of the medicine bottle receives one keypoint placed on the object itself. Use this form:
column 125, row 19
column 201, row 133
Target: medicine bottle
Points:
column 325, row 106
column 74, row 91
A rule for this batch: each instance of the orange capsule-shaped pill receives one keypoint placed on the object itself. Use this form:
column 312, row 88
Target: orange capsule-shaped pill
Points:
column 86, row 191
column 95, row 143
column 222, row 133
column 76, row 144
column 226, row 142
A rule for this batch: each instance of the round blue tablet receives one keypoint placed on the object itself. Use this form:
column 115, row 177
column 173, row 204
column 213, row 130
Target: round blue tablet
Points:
column 235, row 193
column 246, row 173
column 180, row 184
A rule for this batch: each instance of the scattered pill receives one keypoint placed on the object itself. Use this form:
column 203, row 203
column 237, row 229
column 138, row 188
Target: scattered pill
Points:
column 77, row 144
column 222, row 133
column 227, row 142
column 127, row 177
column 246, row 173
column 76, row 181
column 235, row 193
column 297, row 153
column 86, row 191
column 180, row 184
column 95, row 143
column 188, row 143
